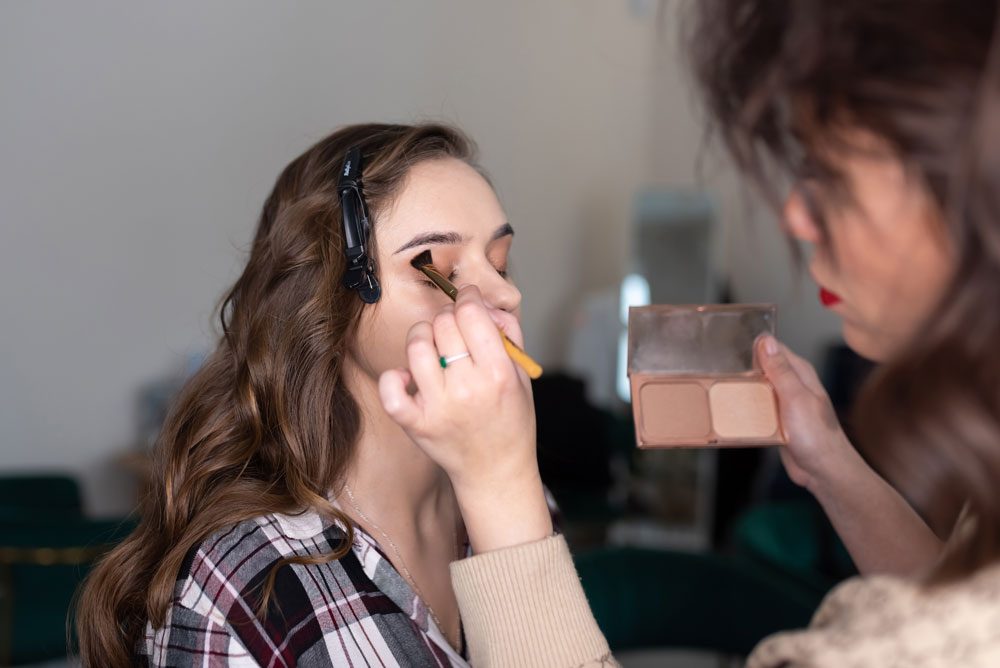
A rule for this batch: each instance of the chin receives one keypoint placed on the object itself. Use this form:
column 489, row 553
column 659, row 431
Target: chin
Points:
column 864, row 343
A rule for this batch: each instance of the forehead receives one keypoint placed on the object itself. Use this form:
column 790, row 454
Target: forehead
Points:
column 834, row 137
column 445, row 195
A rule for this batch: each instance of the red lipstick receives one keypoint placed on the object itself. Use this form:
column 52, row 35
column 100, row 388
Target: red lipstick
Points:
column 828, row 298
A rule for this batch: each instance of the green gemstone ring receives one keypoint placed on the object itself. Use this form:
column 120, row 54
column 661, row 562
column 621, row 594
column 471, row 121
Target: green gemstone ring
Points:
column 445, row 361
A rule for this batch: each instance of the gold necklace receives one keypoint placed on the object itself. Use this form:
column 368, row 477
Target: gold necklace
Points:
column 406, row 571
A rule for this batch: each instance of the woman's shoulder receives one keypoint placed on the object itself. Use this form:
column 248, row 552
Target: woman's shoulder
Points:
column 240, row 557
column 884, row 620
column 254, row 592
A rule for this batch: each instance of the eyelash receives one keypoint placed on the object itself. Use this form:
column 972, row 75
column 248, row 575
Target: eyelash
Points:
column 451, row 277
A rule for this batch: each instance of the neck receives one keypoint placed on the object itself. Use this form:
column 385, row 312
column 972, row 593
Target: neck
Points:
column 393, row 481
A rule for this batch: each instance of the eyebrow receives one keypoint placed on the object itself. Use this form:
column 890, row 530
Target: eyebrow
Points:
column 449, row 238
column 504, row 230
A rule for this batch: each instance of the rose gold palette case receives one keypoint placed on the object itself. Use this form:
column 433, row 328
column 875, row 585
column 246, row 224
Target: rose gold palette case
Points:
column 695, row 378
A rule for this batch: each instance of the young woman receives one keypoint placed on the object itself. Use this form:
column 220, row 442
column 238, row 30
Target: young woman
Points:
column 885, row 119
column 292, row 521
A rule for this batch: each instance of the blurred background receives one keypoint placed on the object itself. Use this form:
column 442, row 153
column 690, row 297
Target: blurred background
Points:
column 137, row 144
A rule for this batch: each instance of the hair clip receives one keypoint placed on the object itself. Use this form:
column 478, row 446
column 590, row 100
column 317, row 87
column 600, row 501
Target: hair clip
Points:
column 360, row 272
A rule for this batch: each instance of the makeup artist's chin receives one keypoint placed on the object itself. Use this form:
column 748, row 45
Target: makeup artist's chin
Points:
column 864, row 342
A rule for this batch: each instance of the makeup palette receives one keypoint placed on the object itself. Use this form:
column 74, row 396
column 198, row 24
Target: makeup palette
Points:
column 695, row 378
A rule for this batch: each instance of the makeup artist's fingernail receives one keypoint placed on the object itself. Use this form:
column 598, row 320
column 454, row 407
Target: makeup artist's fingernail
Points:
column 770, row 346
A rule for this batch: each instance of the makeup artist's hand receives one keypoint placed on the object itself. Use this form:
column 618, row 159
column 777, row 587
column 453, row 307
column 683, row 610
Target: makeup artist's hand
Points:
column 817, row 450
column 880, row 529
column 475, row 419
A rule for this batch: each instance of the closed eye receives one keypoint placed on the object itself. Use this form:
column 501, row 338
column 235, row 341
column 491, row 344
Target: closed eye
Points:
column 450, row 277
column 502, row 271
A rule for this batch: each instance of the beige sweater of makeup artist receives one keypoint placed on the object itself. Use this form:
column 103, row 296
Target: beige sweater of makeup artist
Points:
column 524, row 606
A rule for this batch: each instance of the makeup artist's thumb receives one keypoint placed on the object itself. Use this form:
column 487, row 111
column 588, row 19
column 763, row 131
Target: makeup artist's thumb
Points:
column 779, row 370
column 507, row 323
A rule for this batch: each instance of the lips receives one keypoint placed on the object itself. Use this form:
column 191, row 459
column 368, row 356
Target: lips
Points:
column 828, row 298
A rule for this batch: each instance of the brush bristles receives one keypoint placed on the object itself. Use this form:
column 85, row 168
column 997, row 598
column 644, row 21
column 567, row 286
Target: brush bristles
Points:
column 423, row 260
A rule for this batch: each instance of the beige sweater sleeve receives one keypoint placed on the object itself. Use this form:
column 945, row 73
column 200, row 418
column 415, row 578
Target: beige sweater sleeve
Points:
column 524, row 606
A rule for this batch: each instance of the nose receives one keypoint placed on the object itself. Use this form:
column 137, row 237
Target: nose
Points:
column 497, row 291
column 799, row 220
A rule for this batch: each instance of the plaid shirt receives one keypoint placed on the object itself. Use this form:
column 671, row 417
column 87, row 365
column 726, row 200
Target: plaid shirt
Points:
column 356, row 611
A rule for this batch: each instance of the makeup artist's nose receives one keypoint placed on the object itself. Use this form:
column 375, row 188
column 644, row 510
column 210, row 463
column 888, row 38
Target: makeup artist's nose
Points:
column 799, row 221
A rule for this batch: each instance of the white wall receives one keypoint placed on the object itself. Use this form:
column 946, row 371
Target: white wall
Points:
column 750, row 247
column 137, row 142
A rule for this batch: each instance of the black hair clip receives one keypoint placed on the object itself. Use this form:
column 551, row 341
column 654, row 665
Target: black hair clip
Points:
column 360, row 274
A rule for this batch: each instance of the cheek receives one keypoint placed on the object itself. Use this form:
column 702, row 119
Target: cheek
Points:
column 892, row 285
column 860, row 262
column 386, row 348
column 381, row 343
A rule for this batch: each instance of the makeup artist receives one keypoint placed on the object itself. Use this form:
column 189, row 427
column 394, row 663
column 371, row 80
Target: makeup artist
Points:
column 884, row 118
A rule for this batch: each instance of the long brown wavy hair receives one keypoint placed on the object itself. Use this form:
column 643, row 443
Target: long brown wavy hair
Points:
column 923, row 75
column 267, row 424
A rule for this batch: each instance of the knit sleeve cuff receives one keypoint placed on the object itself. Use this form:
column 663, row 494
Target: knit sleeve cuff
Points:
column 524, row 606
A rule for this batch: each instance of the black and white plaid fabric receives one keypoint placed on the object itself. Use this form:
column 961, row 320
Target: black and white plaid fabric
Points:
column 356, row 611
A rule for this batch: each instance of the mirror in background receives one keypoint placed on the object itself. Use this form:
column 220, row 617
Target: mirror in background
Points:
column 660, row 498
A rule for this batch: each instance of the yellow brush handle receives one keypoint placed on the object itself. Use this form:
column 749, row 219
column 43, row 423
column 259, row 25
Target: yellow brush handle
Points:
column 523, row 359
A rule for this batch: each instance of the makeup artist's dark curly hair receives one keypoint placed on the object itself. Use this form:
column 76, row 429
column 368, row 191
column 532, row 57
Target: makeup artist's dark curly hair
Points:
column 267, row 425
column 923, row 75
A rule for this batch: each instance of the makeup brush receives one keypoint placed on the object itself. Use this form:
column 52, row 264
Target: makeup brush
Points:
column 425, row 263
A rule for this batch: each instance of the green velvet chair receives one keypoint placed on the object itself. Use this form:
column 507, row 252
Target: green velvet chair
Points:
column 46, row 549
column 795, row 540
column 39, row 495
column 646, row 599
